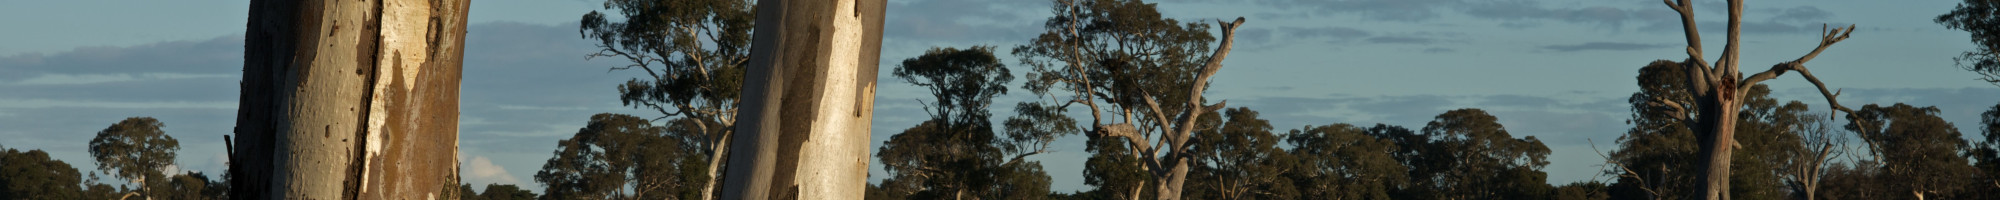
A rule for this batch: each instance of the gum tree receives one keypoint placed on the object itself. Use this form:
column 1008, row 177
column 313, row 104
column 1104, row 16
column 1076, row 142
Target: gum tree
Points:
column 1719, row 88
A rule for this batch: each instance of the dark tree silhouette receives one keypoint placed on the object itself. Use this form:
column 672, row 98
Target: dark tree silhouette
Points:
column 1238, row 158
column 1915, row 149
column 135, row 149
column 1470, row 155
column 1987, row 155
column 1981, row 18
column 33, row 175
column 1341, row 160
column 625, row 157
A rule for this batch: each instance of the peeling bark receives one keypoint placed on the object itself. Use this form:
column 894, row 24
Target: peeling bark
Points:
column 349, row 100
column 807, row 101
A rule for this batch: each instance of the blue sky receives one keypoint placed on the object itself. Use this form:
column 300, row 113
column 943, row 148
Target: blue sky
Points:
column 1555, row 69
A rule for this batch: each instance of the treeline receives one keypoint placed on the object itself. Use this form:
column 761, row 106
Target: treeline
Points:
column 137, row 155
column 1131, row 81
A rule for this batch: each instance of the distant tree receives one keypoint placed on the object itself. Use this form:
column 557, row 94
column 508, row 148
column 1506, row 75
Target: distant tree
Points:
column 1239, row 158
column 1858, row 181
column 1138, row 74
column 1718, row 90
column 33, row 175
column 135, row 150
column 954, row 154
column 1803, row 170
column 625, row 157
column 1469, row 155
column 191, row 186
column 693, row 53
column 1344, row 161
column 1982, row 19
column 1987, row 154
column 1916, row 149
column 506, row 192
column 1589, row 190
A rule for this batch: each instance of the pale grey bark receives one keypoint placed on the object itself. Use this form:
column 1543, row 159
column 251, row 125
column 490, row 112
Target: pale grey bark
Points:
column 807, row 101
column 1172, row 167
column 1719, row 90
column 349, row 100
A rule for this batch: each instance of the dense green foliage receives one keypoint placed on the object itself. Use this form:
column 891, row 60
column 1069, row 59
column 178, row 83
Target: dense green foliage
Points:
column 136, row 150
column 620, row 156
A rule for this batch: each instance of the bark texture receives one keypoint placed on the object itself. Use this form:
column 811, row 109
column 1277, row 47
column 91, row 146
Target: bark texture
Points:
column 349, row 100
column 807, row 101
column 1719, row 90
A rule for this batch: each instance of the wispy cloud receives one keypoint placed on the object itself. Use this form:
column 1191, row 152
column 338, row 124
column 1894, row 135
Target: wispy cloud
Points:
column 1603, row 46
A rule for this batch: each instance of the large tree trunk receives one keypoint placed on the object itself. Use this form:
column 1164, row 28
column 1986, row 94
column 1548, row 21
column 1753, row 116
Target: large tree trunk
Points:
column 808, row 97
column 1718, row 119
column 349, row 100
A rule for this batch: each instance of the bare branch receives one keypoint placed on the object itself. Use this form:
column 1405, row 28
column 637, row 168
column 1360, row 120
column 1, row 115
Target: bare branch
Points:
column 1827, row 39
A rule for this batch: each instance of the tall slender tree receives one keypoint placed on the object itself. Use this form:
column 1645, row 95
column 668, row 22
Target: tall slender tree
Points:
column 1718, row 91
column 1139, row 75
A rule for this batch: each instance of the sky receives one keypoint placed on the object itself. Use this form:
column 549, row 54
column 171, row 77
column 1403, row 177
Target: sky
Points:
column 1558, row 70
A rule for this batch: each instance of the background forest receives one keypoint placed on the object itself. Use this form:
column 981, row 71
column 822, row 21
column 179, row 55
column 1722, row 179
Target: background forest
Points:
column 1099, row 99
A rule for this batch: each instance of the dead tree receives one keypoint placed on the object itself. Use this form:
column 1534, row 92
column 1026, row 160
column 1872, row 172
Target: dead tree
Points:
column 349, row 100
column 807, row 100
column 1719, row 89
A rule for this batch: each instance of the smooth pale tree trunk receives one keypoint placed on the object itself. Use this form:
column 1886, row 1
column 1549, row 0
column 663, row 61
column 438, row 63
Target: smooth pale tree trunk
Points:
column 349, row 100
column 807, row 101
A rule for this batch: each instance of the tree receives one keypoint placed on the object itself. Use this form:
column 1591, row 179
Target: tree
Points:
column 136, row 150
column 1238, row 158
column 505, row 192
column 1987, row 153
column 1979, row 18
column 349, row 100
column 1805, row 169
column 1651, row 160
column 1718, row 91
column 33, row 175
column 191, row 185
column 625, row 157
column 1857, row 181
column 693, row 53
column 1591, row 190
column 952, row 155
column 1470, row 155
column 1121, row 57
column 1344, row 161
column 807, row 99
column 1915, row 148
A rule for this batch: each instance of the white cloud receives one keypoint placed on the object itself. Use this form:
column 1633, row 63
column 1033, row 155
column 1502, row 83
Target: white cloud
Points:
column 482, row 170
